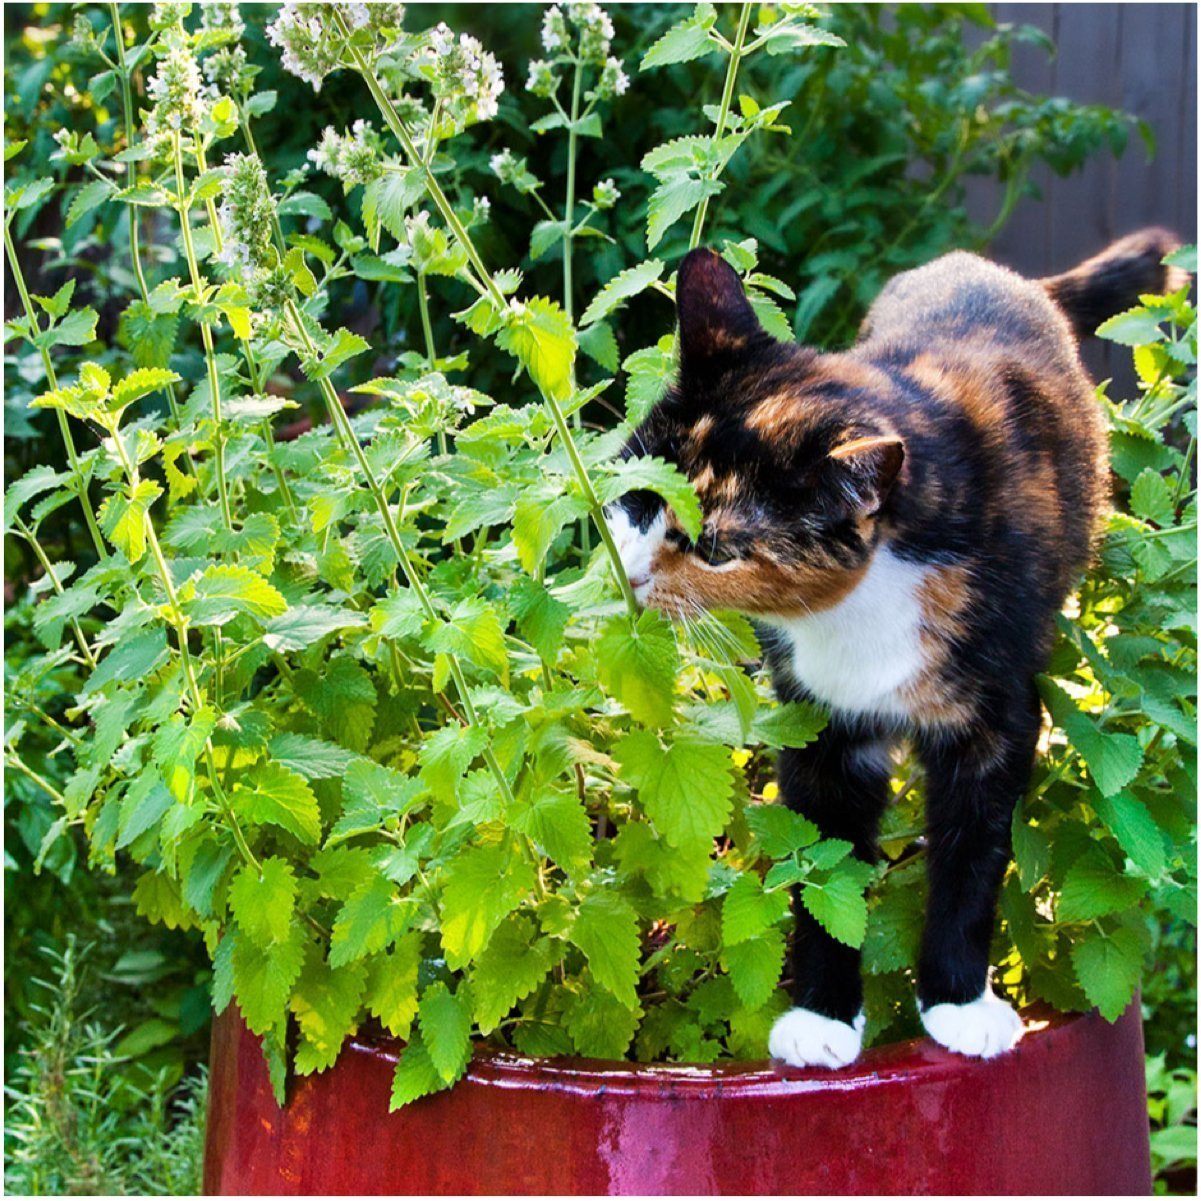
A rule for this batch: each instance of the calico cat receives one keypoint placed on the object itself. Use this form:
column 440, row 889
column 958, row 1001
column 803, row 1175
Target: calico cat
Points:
column 903, row 521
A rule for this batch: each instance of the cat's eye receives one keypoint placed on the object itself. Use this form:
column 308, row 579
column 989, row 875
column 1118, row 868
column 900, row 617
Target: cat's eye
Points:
column 713, row 550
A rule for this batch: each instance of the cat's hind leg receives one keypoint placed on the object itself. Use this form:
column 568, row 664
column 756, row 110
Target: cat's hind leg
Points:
column 840, row 783
column 973, row 780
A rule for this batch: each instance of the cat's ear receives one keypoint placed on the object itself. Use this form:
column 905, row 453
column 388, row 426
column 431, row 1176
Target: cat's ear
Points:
column 716, row 318
column 871, row 466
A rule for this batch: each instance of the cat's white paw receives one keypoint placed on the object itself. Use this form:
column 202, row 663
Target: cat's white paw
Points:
column 802, row 1038
column 984, row 1028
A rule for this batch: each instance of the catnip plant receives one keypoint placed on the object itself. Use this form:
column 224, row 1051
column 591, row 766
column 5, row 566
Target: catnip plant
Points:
column 374, row 708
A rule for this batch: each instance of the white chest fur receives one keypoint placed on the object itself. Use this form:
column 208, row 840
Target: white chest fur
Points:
column 860, row 655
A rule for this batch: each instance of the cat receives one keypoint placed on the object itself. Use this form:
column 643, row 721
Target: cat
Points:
column 903, row 521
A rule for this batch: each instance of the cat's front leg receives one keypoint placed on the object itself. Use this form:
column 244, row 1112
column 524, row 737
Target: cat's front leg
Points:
column 974, row 779
column 840, row 783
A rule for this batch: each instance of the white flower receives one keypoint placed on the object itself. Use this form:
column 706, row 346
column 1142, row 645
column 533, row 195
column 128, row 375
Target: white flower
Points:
column 310, row 48
column 214, row 15
column 605, row 195
column 543, row 80
column 554, row 29
column 613, row 80
column 246, row 215
column 175, row 90
column 595, row 29
column 465, row 71
column 354, row 158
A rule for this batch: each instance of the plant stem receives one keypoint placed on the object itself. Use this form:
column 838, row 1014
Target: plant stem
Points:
column 77, row 481
column 392, row 118
column 206, row 335
column 131, row 178
column 179, row 622
column 427, row 330
column 341, row 422
column 723, row 115
column 48, row 568
column 21, row 766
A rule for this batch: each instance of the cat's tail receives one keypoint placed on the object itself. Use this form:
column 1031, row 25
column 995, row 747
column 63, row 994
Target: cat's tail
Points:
column 1113, row 280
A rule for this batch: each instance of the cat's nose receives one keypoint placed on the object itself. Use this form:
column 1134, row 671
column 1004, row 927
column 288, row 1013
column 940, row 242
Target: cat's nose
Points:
column 639, row 581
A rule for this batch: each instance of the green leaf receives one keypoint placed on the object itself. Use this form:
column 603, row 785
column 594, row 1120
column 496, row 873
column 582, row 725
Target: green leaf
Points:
column 1113, row 759
column 683, row 42
column 341, row 346
column 123, row 517
column 77, row 328
column 305, row 204
column 1109, row 967
column 559, row 824
column 277, row 796
column 343, row 696
column 600, row 345
column 93, row 193
column 309, row 757
column 482, row 886
column 1151, row 498
column 779, row 831
column 541, row 337
column 685, row 787
column 640, row 666
column 1093, row 887
column 263, row 905
column 474, row 632
column 798, row 37
column 223, row 592
column 177, row 745
column 671, row 200
column 326, row 1004
column 537, row 522
column 143, row 806
column 139, row 383
column 415, row 1075
column 373, row 916
column 656, row 475
column 60, row 302
column 621, row 287
column 541, row 618
column 398, row 616
column 446, row 1031
column 392, row 985
column 839, row 905
column 747, row 911
column 606, row 930
column 512, row 966
column 601, row 1026
column 304, row 625
column 1134, row 327
column 754, row 967
column 1135, row 829
column 263, row 977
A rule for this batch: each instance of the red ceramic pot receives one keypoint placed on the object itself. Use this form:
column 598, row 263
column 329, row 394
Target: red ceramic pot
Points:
column 1064, row 1113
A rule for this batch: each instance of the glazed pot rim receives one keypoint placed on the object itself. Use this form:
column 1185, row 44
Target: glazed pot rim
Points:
column 900, row 1060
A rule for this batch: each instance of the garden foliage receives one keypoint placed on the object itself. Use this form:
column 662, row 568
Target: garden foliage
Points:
column 372, row 708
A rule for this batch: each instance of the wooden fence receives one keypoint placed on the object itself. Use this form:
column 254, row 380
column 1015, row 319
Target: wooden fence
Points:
column 1142, row 59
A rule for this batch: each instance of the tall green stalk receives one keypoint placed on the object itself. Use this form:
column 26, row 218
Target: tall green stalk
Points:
column 341, row 423
column 206, row 333
column 392, row 118
column 78, row 486
column 737, row 53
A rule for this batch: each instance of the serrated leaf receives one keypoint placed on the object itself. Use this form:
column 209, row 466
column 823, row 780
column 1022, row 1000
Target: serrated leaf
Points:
column 665, row 479
column 1135, row 829
column 1113, row 759
column 640, row 666
column 303, row 626
column 415, row 1075
column 839, row 905
column 1109, row 967
column 600, row 1025
column 483, row 885
column 622, row 287
column 683, row 42
column 1134, row 327
column 513, row 965
column 446, row 1031
column 1093, row 887
column 671, row 200
column 537, row 522
column 373, row 916
column 473, row 631
column 93, row 194
column 541, row 337
column 77, row 328
column 326, row 1004
column 122, row 517
column 308, row 757
column 143, row 806
column 754, row 967
column 263, row 977
column 263, row 902
column 280, row 797
column 223, row 592
column 606, row 930
column 779, row 831
column 685, row 787
column 747, row 910
column 392, row 985
column 1151, row 498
